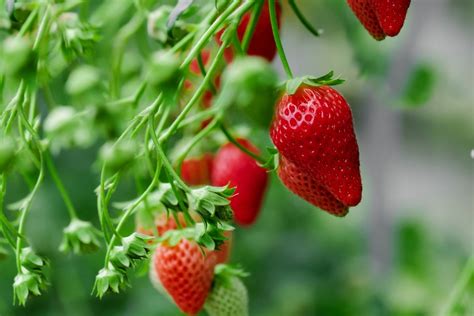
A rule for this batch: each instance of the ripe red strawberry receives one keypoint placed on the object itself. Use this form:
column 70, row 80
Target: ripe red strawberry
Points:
column 197, row 171
column 365, row 12
column 313, row 130
column 303, row 185
column 185, row 273
column 391, row 14
column 262, row 43
column 233, row 167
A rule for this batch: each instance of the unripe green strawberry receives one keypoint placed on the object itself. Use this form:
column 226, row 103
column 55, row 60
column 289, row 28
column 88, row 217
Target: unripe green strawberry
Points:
column 250, row 84
column 164, row 71
column 228, row 296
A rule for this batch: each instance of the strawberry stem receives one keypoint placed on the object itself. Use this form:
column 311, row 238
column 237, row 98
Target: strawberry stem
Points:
column 276, row 36
column 234, row 141
column 252, row 25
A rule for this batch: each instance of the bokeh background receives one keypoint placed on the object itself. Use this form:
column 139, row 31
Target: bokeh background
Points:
column 399, row 252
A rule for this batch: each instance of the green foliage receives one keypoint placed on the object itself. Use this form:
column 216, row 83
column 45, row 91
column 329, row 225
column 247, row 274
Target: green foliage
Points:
column 420, row 86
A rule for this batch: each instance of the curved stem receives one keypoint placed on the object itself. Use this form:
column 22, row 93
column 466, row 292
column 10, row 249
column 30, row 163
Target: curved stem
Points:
column 302, row 19
column 197, row 95
column 41, row 29
column 196, row 139
column 467, row 276
column 234, row 141
column 252, row 25
column 59, row 184
column 29, row 21
column 123, row 36
column 202, row 68
column 276, row 36
column 210, row 32
column 27, row 204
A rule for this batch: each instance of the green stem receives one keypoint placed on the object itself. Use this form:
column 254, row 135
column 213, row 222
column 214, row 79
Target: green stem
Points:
column 302, row 19
column 197, row 95
column 27, row 204
column 276, row 36
column 234, row 141
column 467, row 276
column 209, row 33
column 8, row 230
column 42, row 29
column 123, row 36
column 252, row 25
column 196, row 139
column 202, row 68
column 29, row 21
column 199, row 117
column 62, row 190
column 104, row 216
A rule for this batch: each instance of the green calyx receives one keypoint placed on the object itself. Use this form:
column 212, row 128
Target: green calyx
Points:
column 31, row 279
column 80, row 237
column 292, row 85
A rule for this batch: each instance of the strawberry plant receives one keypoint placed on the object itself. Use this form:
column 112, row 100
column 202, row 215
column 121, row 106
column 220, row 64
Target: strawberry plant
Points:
column 168, row 95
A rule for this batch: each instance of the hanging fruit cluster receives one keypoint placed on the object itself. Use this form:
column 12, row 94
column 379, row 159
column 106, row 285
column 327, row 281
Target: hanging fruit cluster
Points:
column 174, row 132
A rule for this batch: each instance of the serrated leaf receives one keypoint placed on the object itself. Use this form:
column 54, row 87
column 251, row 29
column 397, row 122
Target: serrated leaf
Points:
column 206, row 241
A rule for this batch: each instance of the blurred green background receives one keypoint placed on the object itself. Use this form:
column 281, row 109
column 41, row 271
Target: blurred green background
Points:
column 399, row 252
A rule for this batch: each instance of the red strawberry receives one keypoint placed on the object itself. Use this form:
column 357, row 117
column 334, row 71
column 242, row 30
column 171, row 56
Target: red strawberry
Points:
column 164, row 223
column 197, row 171
column 194, row 66
column 262, row 43
column 391, row 14
column 365, row 12
column 185, row 273
column 300, row 183
column 313, row 130
column 232, row 166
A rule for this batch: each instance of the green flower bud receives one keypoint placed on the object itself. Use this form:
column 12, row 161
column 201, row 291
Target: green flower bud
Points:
column 27, row 283
column 117, row 156
column 16, row 55
column 136, row 246
column 82, row 79
column 164, row 71
column 80, row 237
column 109, row 280
column 31, row 261
column 250, row 84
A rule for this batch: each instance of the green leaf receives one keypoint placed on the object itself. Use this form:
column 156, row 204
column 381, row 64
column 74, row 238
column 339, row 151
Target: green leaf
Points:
column 420, row 86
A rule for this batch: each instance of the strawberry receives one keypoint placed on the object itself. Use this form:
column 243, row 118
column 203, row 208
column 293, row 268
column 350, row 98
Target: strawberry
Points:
column 300, row 183
column 164, row 223
column 391, row 14
column 313, row 130
column 228, row 297
column 185, row 273
column 262, row 43
column 233, row 167
column 197, row 171
column 364, row 10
